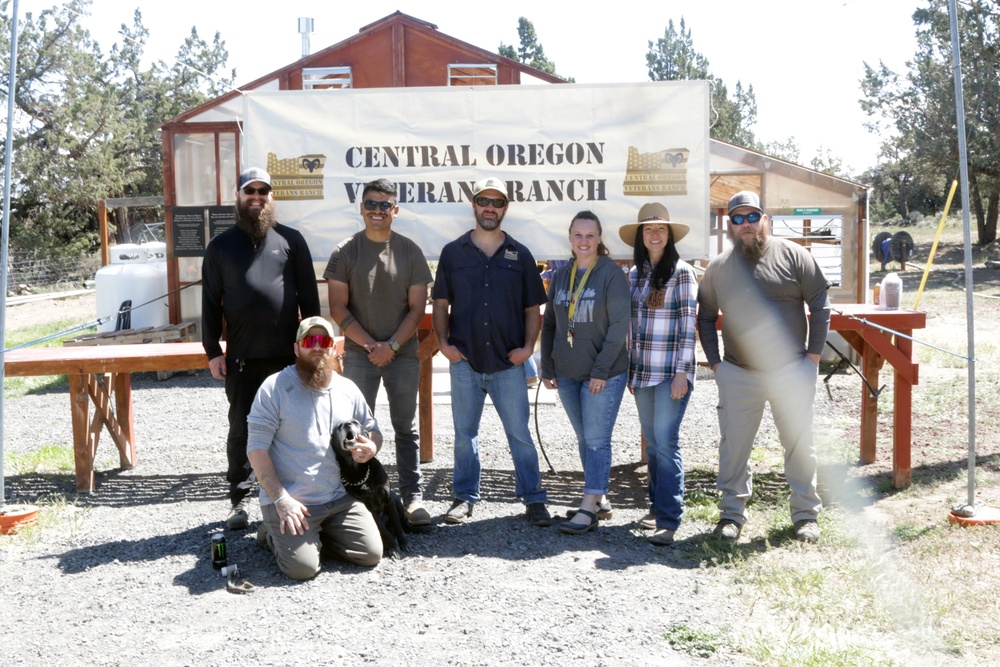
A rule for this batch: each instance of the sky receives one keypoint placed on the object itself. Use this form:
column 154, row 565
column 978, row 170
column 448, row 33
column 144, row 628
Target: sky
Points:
column 804, row 59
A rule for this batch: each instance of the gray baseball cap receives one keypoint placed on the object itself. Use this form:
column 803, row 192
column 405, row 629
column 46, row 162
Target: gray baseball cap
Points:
column 253, row 175
column 745, row 198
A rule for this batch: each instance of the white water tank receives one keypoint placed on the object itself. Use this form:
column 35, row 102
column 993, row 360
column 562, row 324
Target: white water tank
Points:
column 131, row 276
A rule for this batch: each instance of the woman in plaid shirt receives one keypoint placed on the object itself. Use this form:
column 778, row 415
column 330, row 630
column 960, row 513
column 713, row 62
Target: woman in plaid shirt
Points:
column 664, row 292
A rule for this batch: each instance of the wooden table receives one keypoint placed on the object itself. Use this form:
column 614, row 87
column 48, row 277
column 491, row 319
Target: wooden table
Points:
column 854, row 323
column 102, row 375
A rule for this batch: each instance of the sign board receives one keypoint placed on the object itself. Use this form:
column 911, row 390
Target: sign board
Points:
column 807, row 211
column 560, row 149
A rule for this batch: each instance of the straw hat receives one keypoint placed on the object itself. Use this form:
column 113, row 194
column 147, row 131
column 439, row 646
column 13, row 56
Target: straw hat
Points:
column 648, row 213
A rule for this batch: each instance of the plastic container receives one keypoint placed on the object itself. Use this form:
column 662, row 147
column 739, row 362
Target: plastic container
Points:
column 891, row 294
column 131, row 277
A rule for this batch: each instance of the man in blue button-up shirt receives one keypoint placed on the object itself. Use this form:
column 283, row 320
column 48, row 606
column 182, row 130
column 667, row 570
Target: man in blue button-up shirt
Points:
column 486, row 315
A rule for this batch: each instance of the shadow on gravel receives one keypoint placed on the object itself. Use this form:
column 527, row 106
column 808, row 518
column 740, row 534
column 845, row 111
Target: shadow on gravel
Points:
column 118, row 488
column 201, row 578
column 564, row 488
column 878, row 485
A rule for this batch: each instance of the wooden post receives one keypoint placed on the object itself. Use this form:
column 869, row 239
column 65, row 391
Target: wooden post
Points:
column 902, row 415
column 102, row 225
column 79, row 403
column 871, row 362
column 425, row 393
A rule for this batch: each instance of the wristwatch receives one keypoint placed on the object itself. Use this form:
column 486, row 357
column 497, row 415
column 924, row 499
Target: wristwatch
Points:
column 394, row 344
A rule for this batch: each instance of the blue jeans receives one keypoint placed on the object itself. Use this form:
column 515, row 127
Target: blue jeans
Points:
column 660, row 419
column 401, row 379
column 593, row 418
column 509, row 393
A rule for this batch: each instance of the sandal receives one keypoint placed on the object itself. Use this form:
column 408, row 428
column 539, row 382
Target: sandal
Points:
column 571, row 528
column 604, row 511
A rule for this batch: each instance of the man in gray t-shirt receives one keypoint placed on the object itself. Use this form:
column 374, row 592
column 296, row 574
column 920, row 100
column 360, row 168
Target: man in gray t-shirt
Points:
column 377, row 282
column 306, row 510
column 762, row 286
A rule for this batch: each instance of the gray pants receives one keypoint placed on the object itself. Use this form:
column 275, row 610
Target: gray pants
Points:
column 343, row 529
column 742, row 395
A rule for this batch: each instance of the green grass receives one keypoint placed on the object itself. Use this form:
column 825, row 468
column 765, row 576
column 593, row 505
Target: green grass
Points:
column 804, row 649
column 701, row 643
column 49, row 459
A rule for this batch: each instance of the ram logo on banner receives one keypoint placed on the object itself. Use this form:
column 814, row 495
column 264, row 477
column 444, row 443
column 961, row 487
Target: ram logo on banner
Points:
column 560, row 149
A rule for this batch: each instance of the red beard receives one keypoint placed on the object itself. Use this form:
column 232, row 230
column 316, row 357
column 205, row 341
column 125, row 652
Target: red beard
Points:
column 315, row 371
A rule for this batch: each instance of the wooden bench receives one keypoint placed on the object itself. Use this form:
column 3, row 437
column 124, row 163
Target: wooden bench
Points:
column 167, row 333
column 102, row 375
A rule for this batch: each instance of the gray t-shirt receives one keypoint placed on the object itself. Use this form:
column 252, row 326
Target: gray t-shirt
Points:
column 764, row 324
column 293, row 423
column 379, row 277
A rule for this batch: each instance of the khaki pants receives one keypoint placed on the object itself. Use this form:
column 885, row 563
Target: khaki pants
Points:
column 344, row 529
column 742, row 395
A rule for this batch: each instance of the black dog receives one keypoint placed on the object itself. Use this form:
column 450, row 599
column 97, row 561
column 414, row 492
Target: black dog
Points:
column 369, row 483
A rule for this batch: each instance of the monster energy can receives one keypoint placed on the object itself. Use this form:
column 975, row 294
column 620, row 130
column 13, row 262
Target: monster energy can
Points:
column 219, row 557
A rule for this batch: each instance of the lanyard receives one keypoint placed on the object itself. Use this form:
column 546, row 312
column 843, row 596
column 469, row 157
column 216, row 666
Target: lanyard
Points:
column 576, row 295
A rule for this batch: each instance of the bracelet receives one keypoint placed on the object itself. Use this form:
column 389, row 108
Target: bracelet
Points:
column 280, row 498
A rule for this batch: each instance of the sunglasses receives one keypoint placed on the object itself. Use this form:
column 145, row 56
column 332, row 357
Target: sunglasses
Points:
column 371, row 205
column 251, row 190
column 739, row 218
column 321, row 340
column 486, row 201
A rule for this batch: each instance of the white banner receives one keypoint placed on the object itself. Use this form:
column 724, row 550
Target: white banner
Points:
column 609, row 148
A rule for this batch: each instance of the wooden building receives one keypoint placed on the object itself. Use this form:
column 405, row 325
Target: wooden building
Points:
column 201, row 150
column 201, row 147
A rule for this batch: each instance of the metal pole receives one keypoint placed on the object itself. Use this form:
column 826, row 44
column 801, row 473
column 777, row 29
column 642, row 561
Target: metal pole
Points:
column 8, row 158
column 964, row 177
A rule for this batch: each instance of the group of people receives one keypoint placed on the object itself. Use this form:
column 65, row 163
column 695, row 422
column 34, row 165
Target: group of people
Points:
column 603, row 331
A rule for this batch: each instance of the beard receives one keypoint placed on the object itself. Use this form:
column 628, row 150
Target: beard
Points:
column 255, row 222
column 752, row 249
column 315, row 371
column 489, row 224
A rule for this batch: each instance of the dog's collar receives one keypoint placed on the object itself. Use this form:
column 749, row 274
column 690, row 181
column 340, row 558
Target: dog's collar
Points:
column 361, row 483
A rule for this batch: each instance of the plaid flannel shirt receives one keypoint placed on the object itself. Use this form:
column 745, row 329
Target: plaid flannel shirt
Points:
column 661, row 344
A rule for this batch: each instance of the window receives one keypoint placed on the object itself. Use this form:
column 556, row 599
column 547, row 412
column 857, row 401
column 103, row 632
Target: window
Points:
column 472, row 75
column 821, row 235
column 327, row 78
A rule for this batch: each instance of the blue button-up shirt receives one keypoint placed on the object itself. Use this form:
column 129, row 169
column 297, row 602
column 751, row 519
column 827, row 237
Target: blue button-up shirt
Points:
column 487, row 298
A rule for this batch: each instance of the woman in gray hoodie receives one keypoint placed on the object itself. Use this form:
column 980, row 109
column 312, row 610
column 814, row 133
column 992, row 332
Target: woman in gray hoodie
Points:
column 585, row 358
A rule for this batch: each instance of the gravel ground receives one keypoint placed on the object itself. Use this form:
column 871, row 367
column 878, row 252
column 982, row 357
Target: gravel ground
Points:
column 125, row 574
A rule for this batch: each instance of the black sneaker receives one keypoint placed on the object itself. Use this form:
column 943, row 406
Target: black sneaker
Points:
column 459, row 512
column 727, row 530
column 807, row 530
column 538, row 515
column 238, row 518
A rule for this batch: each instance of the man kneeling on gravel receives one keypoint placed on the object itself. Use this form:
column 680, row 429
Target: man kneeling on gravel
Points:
column 305, row 506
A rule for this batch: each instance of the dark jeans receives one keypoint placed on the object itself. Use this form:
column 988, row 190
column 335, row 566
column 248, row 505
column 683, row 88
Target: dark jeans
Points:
column 243, row 379
column 401, row 379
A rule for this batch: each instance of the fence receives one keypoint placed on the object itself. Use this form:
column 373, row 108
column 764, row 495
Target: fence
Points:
column 29, row 272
